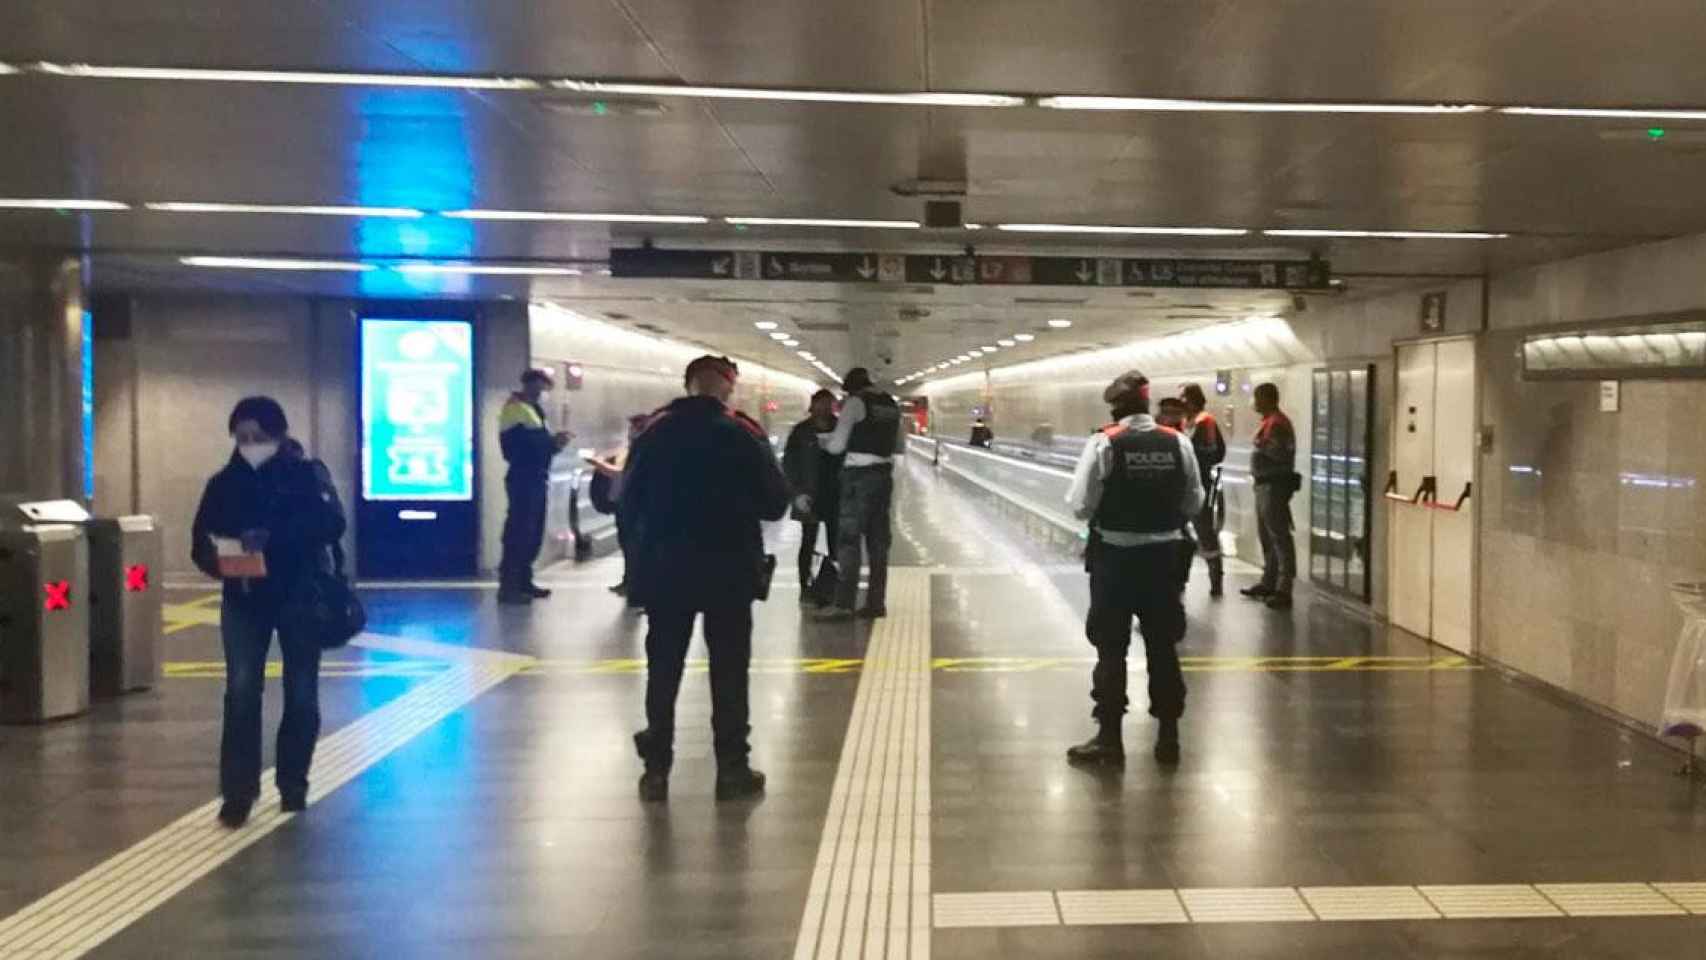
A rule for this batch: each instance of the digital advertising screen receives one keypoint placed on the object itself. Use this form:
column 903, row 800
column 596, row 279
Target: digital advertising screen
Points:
column 417, row 409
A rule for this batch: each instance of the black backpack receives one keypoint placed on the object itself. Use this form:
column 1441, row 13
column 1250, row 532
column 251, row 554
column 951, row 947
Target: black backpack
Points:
column 602, row 492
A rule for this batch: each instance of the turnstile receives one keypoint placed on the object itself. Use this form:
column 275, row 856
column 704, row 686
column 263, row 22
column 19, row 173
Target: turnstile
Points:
column 124, row 602
column 44, row 622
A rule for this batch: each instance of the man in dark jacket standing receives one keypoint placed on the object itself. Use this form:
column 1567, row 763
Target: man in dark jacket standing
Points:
column 700, row 479
column 529, row 446
column 815, row 484
column 1210, row 447
column 868, row 434
column 1273, row 467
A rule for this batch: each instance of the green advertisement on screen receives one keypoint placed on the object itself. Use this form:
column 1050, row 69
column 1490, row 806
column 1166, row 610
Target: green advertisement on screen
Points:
column 417, row 416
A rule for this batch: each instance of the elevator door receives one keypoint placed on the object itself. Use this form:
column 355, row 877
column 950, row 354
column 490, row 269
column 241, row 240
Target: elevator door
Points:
column 1429, row 493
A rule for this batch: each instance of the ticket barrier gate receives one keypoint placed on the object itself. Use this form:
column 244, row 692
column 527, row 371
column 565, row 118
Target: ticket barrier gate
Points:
column 44, row 611
column 125, row 639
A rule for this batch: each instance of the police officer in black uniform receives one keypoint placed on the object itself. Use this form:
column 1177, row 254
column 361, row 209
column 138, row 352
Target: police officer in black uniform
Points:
column 529, row 446
column 1137, row 484
column 868, row 433
column 699, row 480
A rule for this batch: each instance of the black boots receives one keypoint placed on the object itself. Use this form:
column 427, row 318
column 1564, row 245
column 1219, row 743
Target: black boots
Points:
column 734, row 782
column 1260, row 591
column 739, row 783
column 1216, row 579
column 1167, row 743
column 233, row 813
column 1105, row 749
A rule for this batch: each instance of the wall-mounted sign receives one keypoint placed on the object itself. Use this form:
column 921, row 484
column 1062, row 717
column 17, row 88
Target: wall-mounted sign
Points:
column 890, row 268
column 1433, row 312
column 417, row 409
column 1610, row 396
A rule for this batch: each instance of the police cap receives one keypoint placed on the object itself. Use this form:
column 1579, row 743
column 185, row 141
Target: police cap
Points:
column 540, row 374
column 1126, row 387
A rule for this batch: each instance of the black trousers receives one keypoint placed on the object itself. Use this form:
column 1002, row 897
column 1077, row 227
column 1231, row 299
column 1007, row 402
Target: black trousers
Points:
column 808, row 543
column 524, row 531
column 1140, row 583
column 728, row 638
column 866, row 496
column 247, row 633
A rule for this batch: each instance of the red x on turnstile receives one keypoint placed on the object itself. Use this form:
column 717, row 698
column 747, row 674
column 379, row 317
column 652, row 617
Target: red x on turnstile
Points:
column 136, row 578
column 58, row 595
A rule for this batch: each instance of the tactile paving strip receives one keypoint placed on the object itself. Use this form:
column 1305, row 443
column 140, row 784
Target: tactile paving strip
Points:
column 1246, row 905
column 1117, row 907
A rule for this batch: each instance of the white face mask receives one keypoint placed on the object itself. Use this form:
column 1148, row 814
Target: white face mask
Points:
column 257, row 453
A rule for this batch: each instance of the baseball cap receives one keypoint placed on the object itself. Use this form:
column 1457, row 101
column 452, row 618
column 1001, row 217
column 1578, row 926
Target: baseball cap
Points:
column 538, row 373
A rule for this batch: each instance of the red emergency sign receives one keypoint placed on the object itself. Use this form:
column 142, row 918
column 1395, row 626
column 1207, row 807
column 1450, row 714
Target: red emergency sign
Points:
column 136, row 578
column 57, row 595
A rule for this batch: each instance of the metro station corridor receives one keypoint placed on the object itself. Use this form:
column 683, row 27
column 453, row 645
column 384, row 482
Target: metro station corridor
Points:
column 1324, row 754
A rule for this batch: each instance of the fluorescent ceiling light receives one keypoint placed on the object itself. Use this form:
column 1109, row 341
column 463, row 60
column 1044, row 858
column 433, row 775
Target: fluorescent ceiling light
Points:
column 553, row 216
column 1024, row 337
column 900, row 383
column 1596, row 113
column 442, row 81
column 820, row 222
column 1005, row 343
column 6, row 68
column 807, row 355
column 973, row 226
column 790, row 342
column 1060, row 324
column 963, row 358
column 488, row 269
column 1136, row 231
column 400, row 213
column 975, row 353
column 276, row 263
column 916, row 99
column 779, row 336
column 1390, row 234
column 989, row 349
column 33, row 203
column 1166, row 105
column 765, row 324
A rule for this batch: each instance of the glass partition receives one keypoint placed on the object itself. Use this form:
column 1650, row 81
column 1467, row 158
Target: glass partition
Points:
column 1338, row 480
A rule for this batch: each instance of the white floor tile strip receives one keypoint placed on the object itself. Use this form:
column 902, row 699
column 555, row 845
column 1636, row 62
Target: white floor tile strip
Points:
column 1318, row 904
column 870, row 888
column 83, row 914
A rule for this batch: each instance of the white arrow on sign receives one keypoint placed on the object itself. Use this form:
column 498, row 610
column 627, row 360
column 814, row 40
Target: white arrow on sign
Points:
column 776, row 267
column 1084, row 272
column 867, row 269
column 937, row 270
column 720, row 266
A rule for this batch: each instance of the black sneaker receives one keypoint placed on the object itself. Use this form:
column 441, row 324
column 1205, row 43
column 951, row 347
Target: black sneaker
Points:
column 1216, row 586
column 514, row 598
column 872, row 613
column 1279, row 601
column 1167, row 743
column 743, row 783
column 235, row 813
column 537, row 592
column 293, row 802
column 1260, row 591
column 1098, row 751
column 654, row 787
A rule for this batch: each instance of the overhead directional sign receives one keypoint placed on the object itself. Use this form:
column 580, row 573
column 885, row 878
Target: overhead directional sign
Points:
column 889, row 268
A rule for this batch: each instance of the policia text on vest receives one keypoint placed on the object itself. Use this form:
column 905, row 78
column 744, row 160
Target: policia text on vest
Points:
column 1138, row 484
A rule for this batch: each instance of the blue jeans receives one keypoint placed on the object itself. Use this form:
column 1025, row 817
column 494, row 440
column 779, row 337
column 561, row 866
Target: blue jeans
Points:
column 247, row 633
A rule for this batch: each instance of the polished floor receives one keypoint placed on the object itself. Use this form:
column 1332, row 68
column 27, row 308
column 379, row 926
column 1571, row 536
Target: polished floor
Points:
column 1346, row 790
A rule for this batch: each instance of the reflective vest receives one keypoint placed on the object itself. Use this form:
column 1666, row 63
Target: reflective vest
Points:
column 879, row 433
column 1146, row 481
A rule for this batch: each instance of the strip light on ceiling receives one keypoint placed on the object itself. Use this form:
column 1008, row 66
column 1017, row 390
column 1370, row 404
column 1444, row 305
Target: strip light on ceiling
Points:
column 1597, row 113
column 322, row 78
column 914, row 99
column 1131, row 231
column 6, row 68
column 482, row 269
column 276, row 263
column 287, row 209
column 1390, row 234
column 821, row 222
column 548, row 215
column 48, row 203
column 1167, row 105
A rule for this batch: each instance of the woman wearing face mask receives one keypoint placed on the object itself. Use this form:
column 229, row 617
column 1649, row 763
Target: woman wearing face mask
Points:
column 277, row 503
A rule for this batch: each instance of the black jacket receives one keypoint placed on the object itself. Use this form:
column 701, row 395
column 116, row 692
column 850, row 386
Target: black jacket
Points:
column 699, row 480
column 810, row 468
column 292, row 498
column 525, row 438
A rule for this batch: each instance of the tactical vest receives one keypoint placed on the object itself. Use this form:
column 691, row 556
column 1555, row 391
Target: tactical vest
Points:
column 1142, row 491
column 879, row 433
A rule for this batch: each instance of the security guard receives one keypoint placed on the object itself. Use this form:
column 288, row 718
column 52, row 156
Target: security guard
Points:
column 1210, row 447
column 528, row 446
column 699, row 479
column 1137, row 484
column 868, row 433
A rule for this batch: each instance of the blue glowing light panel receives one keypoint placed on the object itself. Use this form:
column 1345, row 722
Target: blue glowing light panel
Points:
column 417, row 409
